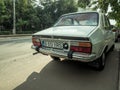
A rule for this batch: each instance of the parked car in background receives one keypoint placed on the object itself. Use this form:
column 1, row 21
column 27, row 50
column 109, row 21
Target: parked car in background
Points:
column 84, row 36
column 116, row 32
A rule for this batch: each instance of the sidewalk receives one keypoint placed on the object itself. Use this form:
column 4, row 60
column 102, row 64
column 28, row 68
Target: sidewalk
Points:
column 4, row 38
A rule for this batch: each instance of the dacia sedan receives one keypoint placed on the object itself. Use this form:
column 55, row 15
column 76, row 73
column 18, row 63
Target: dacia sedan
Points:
column 83, row 36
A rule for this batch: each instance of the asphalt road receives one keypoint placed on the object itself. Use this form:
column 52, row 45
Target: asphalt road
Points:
column 20, row 70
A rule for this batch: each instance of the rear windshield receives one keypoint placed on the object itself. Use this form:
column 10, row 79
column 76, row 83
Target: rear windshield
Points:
column 80, row 19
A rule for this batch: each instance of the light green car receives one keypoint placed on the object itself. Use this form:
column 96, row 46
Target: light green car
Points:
column 83, row 36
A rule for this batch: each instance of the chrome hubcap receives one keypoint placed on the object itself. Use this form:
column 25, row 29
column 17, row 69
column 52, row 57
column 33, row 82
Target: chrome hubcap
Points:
column 103, row 59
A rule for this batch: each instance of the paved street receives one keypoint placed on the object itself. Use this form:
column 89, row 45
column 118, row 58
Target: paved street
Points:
column 20, row 70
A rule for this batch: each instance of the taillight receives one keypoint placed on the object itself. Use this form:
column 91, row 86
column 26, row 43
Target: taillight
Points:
column 83, row 47
column 36, row 42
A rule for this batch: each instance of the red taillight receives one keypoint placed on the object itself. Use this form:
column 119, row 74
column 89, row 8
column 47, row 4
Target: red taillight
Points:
column 36, row 42
column 83, row 48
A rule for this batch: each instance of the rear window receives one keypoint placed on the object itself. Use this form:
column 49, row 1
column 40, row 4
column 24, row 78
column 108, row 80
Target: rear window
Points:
column 80, row 19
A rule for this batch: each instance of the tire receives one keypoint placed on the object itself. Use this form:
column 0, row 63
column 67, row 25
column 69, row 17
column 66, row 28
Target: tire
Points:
column 55, row 58
column 101, row 62
column 112, row 48
column 116, row 40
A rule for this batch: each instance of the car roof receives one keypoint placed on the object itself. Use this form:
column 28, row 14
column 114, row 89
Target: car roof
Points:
column 81, row 12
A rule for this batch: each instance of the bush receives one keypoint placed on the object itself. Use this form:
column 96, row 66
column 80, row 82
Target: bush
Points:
column 5, row 32
column 26, row 32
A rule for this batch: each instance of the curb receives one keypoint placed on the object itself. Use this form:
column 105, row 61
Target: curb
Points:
column 16, row 35
column 118, row 85
column 119, row 72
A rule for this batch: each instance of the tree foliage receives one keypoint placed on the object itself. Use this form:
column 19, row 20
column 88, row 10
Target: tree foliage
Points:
column 105, row 4
column 115, row 13
column 33, row 15
column 5, row 13
column 83, row 3
column 54, row 9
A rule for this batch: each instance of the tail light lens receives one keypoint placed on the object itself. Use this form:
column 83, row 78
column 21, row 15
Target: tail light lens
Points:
column 36, row 42
column 84, row 47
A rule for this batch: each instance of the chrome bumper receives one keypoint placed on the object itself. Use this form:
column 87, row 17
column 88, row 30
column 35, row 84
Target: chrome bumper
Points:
column 64, row 54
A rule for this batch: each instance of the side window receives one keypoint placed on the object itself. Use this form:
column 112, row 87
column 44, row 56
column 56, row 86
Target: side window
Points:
column 75, row 22
column 107, row 23
column 68, row 21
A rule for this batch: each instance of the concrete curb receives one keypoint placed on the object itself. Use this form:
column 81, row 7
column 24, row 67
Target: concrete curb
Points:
column 119, row 72
column 16, row 35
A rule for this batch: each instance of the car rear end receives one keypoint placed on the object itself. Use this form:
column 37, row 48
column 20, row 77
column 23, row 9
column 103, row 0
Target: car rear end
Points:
column 73, row 48
column 69, row 38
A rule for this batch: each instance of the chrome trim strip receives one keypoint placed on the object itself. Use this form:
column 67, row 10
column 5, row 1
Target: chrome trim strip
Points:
column 62, row 37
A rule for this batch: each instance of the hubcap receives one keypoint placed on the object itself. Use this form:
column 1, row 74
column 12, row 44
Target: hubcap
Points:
column 103, row 59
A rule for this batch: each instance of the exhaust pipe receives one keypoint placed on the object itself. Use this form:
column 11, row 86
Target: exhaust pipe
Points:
column 36, row 48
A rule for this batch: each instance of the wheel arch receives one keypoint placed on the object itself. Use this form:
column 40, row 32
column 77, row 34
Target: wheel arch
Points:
column 104, row 50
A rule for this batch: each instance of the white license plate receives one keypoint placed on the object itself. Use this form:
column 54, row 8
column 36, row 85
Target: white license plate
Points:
column 58, row 45
column 47, row 44
column 53, row 44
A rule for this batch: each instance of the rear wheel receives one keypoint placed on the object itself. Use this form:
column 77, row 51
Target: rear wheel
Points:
column 100, row 64
column 112, row 48
column 116, row 40
column 55, row 58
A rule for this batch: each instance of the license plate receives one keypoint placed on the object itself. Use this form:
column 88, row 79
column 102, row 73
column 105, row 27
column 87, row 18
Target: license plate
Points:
column 58, row 45
column 47, row 44
column 53, row 44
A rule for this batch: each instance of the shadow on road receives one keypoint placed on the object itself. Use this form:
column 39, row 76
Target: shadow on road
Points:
column 72, row 75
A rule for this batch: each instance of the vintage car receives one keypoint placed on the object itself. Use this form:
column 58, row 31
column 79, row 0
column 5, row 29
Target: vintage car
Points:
column 84, row 36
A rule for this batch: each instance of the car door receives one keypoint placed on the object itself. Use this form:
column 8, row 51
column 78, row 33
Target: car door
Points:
column 109, row 36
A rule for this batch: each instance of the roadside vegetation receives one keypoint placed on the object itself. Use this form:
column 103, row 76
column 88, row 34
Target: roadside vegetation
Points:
column 35, row 15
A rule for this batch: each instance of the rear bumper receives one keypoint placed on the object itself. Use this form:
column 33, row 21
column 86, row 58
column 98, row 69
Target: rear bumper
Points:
column 64, row 54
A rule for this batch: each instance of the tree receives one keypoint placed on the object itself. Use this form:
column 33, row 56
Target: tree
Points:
column 115, row 13
column 2, row 13
column 25, row 13
column 33, row 16
column 83, row 3
column 5, row 14
column 115, row 6
column 101, row 4
column 50, row 10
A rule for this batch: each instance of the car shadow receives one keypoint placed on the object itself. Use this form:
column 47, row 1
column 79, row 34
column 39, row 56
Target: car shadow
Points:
column 73, row 75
